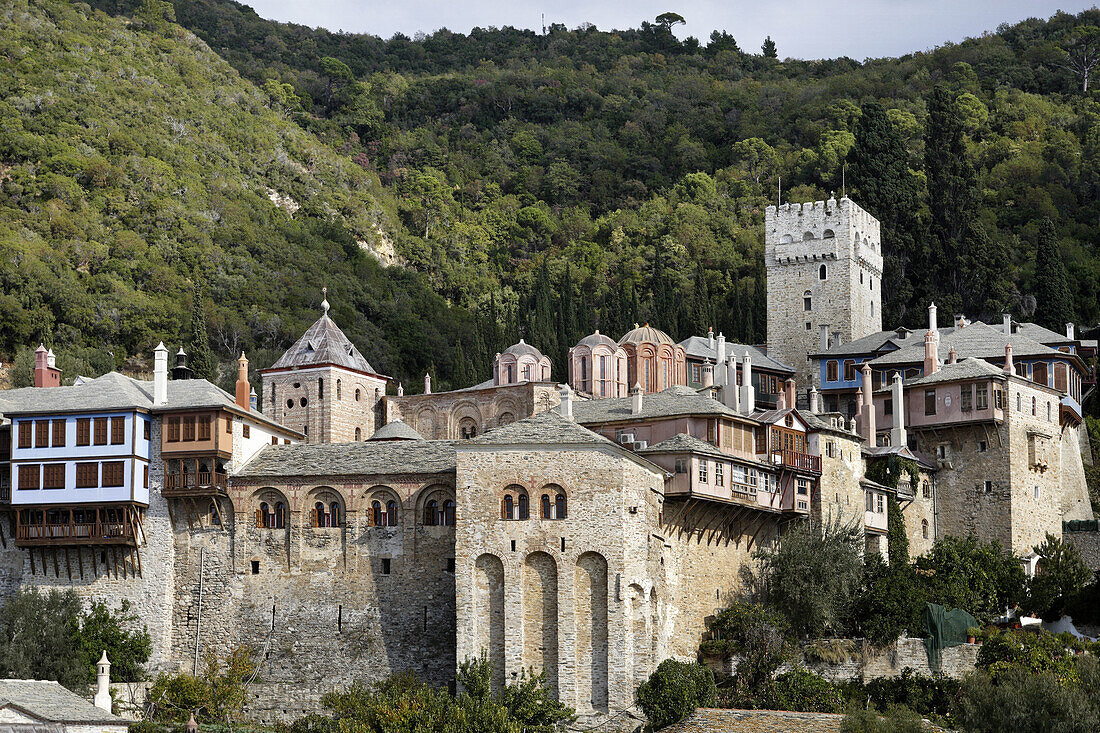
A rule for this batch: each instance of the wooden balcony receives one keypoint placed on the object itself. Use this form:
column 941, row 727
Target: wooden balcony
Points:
column 73, row 526
column 795, row 461
column 195, row 484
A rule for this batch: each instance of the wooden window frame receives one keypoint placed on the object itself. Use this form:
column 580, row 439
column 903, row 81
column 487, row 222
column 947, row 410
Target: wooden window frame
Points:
column 832, row 370
column 246, row 430
column 929, row 402
column 50, row 478
column 83, row 431
column 204, row 427
column 173, row 429
column 99, row 432
column 26, row 437
column 41, row 433
column 188, row 435
column 83, row 480
column 58, row 430
column 118, row 431
column 26, row 472
column 114, row 474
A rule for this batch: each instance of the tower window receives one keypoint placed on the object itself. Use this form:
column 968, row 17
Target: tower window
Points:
column 822, row 273
column 809, row 326
column 807, row 301
column 255, row 567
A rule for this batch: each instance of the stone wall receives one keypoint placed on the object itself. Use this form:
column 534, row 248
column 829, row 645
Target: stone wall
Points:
column 350, row 402
column 1088, row 544
column 444, row 415
column 921, row 513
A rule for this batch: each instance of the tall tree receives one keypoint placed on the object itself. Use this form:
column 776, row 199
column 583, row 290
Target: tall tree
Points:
column 1054, row 303
column 769, row 49
column 883, row 183
column 200, row 359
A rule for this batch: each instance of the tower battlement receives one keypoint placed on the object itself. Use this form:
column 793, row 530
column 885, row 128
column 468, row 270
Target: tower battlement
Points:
column 820, row 231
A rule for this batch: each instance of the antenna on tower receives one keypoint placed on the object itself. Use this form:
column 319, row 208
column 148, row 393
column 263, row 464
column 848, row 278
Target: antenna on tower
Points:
column 780, row 203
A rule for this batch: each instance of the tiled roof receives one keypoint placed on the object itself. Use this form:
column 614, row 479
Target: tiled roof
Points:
column 593, row 340
column 545, row 428
column 871, row 344
column 969, row 368
column 700, row 348
column 977, row 340
column 712, row 720
column 323, row 343
column 396, row 430
column 671, row 402
column 523, row 349
column 352, row 459
column 681, row 443
column 53, row 703
column 1034, row 331
column 645, row 334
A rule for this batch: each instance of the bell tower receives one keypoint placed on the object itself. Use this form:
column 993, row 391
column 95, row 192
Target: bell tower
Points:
column 824, row 268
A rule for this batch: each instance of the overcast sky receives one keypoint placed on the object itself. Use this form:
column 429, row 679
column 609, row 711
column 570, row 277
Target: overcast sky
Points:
column 801, row 28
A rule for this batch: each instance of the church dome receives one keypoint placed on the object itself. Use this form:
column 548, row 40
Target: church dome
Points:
column 524, row 349
column 593, row 340
column 646, row 335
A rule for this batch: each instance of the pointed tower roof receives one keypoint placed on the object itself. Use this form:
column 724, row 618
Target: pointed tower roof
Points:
column 323, row 344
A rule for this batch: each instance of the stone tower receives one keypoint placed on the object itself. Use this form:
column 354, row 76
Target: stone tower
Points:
column 323, row 387
column 824, row 262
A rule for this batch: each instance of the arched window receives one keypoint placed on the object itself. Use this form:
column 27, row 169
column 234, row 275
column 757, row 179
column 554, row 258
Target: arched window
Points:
column 806, row 237
column 358, row 434
column 1033, row 403
column 506, row 508
column 334, row 513
column 807, row 301
column 828, row 234
column 449, row 513
column 467, row 428
column 924, row 528
column 320, row 388
column 926, row 489
column 514, row 504
column 560, row 507
column 358, row 394
column 524, row 509
column 320, row 516
column 280, row 515
column 391, row 513
column 822, row 272
column 1019, row 406
column 584, row 371
column 546, row 508
column 431, row 513
column 378, row 517
column 338, row 391
column 262, row 516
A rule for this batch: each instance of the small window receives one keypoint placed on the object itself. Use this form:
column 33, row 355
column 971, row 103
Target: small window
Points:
column 146, row 430
column 53, row 476
column 1048, row 412
column 1033, row 406
column 114, row 474
column 229, row 423
column 303, row 402
column 450, row 564
column 807, row 301
column 849, row 370
column 926, row 490
column 719, row 474
column 987, row 487
column 981, row 397
column 83, row 431
column 275, row 441
column 358, row 394
column 560, row 507
column 25, row 428
column 87, row 475
column 966, row 398
column 982, row 446
column 42, row 434
column 1036, row 491
column 930, row 402
column 831, row 370
column 100, row 424
column 924, row 528
column 681, row 465
column 255, row 567
column 941, row 452
column 431, row 513
column 809, row 326
column 358, row 434
column 29, row 476
column 822, row 273
column 246, row 430
column 58, row 433
column 448, row 513
column 173, row 429
column 204, row 427
column 385, row 566
column 189, row 428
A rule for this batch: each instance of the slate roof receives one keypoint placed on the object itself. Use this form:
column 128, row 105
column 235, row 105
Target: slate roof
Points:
column 978, row 340
column 699, row 347
column 968, row 368
column 396, row 430
column 646, row 334
column 114, row 391
column 1034, row 331
column 819, row 422
column 682, row 443
column 708, row 720
column 323, row 343
column 352, row 459
column 671, row 402
column 523, row 349
column 53, row 703
column 882, row 340
column 593, row 340
column 545, row 428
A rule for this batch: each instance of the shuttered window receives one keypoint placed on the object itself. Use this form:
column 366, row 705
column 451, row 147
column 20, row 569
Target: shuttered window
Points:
column 173, row 429
column 28, row 476
column 101, row 431
column 113, row 473
column 204, row 427
column 25, row 428
column 118, row 430
column 83, row 431
column 189, row 427
column 53, row 476
column 58, row 433
column 42, row 434
column 87, row 475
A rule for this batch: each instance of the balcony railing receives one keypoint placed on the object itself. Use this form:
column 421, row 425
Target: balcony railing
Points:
column 201, row 482
column 796, row 461
column 108, row 528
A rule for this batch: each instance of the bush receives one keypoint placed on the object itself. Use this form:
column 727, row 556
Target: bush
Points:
column 807, row 692
column 674, row 690
column 216, row 696
column 931, row 697
column 1023, row 702
column 895, row 720
column 1030, row 651
column 1062, row 575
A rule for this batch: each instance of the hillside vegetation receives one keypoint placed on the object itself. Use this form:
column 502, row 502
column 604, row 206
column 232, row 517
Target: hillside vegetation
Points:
column 547, row 185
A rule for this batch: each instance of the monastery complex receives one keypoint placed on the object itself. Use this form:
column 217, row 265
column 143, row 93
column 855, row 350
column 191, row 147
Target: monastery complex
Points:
column 585, row 524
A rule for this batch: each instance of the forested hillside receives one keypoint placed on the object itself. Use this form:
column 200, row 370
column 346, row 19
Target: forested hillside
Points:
column 552, row 184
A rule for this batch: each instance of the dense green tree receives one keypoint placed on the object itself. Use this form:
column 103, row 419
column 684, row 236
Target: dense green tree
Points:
column 1053, row 300
column 1061, row 575
column 200, row 358
column 768, row 48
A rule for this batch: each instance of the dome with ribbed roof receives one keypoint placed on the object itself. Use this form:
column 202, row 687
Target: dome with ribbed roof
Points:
column 396, row 430
column 593, row 340
column 523, row 349
column 646, row 335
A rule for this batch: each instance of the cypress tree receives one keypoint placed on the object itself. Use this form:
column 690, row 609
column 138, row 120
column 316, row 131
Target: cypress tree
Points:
column 200, row 358
column 882, row 182
column 460, row 368
column 702, row 313
column 567, row 320
column 1054, row 307
column 541, row 332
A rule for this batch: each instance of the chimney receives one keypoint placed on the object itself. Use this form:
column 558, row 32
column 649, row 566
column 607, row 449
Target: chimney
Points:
column 748, row 396
column 51, row 360
column 636, row 400
column 838, row 339
column 721, row 349
column 252, row 401
column 45, row 373
column 243, row 388
column 870, row 433
column 788, row 387
column 931, row 353
column 731, row 393
column 102, row 698
column 852, row 425
column 181, row 371
column 566, row 402
column 428, row 382
column 708, row 373
column 897, row 433
column 952, row 356
column 1069, row 332
column 710, row 338
column 1006, row 319
column 824, row 337
column 160, row 374
column 932, row 325
column 815, row 400
column 400, row 389
column 1010, row 368
column 781, row 400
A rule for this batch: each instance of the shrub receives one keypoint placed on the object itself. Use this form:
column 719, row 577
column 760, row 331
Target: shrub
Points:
column 928, row 696
column 807, row 692
column 1062, row 575
column 674, row 690
column 1033, row 652
column 829, row 651
column 216, row 696
column 1024, row 702
column 895, row 720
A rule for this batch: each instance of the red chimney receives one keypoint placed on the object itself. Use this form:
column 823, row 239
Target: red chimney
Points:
column 243, row 388
column 45, row 373
column 931, row 355
column 788, row 387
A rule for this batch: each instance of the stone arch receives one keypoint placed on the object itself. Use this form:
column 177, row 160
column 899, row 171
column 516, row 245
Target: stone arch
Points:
column 540, row 616
column 426, row 423
column 828, row 234
column 786, row 239
column 590, row 608
column 465, row 415
column 383, row 506
column 505, row 410
column 489, row 613
column 271, row 508
column 638, row 649
column 553, row 502
column 807, row 236
column 432, row 503
column 324, row 506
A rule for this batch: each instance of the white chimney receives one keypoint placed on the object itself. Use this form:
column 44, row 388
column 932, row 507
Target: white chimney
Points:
column 731, row 393
column 932, row 326
column 710, row 338
column 51, row 360
column 815, row 401
column 1006, row 318
column 636, row 400
column 102, row 698
column 1069, row 333
column 160, row 375
column 427, row 383
column 869, row 428
column 897, row 433
column 400, row 389
column 708, row 373
column 721, row 349
column 748, row 396
column 566, row 402
column 824, row 337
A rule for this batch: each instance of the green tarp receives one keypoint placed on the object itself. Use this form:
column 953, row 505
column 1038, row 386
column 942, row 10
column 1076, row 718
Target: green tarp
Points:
column 943, row 628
